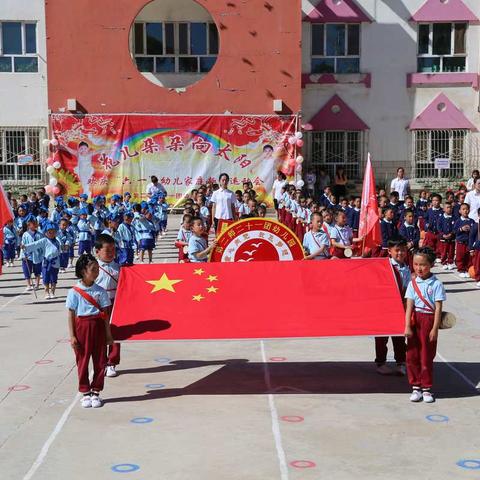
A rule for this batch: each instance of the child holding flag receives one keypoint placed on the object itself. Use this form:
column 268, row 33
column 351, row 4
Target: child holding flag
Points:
column 198, row 249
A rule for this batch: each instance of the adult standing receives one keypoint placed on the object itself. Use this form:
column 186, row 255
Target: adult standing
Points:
column 278, row 184
column 472, row 179
column 340, row 183
column 311, row 179
column 323, row 180
column 400, row 184
column 473, row 199
column 155, row 187
column 223, row 201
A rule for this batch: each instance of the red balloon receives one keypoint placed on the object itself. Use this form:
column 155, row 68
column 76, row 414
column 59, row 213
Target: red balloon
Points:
column 299, row 142
column 50, row 161
column 56, row 190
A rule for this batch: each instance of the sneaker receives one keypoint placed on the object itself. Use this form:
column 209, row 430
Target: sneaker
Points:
column 30, row 288
column 52, row 295
column 400, row 370
column 438, row 260
column 62, row 270
column 110, row 371
column 427, row 396
column 47, row 296
column 86, row 401
column 416, row 395
column 477, row 284
column 451, row 266
column 384, row 370
column 70, row 265
column 445, row 267
column 96, row 401
column 464, row 275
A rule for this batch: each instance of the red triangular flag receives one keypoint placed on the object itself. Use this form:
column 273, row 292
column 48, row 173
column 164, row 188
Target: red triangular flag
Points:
column 6, row 214
column 369, row 228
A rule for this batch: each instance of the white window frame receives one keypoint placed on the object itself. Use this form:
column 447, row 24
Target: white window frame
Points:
column 430, row 53
column 176, row 55
column 12, row 56
column 336, row 57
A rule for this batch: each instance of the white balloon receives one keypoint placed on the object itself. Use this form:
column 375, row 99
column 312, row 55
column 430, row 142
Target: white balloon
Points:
column 299, row 135
column 299, row 159
column 56, row 165
column 292, row 140
column 299, row 168
column 50, row 169
column 54, row 142
column 300, row 184
column 46, row 142
column 53, row 181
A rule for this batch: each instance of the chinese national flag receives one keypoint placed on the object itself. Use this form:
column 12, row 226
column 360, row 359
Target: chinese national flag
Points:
column 257, row 300
column 369, row 226
column 6, row 214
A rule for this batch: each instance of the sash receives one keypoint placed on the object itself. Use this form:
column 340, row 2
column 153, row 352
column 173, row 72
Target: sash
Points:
column 90, row 300
column 428, row 305
column 108, row 273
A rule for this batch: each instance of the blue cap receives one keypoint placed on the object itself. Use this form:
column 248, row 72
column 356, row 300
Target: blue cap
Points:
column 128, row 214
column 30, row 218
column 113, row 217
column 84, row 196
column 97, row 199
column 127, row 193
column 50, row 226
column 83, row 211
column 43, row 209
column 144, row 205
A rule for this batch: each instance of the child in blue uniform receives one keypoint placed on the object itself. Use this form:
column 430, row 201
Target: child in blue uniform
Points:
column 66, row 242
column 446, row 236
column 462, row 229
column 183, row 237
column 89, row 327
column 84, row 233
column 198, row 249
column 425, row 296
column 316, row 242
column 31, row 262
column 49, row 249
column 145, row 229
column 127, row 244
column 163, row 213
column 10, row 243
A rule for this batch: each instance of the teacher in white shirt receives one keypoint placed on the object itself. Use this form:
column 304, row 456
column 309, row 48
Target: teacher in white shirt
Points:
column 224, row 202
column 400, row 185
column 473, row 199
column 155, row 187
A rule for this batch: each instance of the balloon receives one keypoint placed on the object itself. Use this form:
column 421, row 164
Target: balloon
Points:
column 46, row 142
column 56, row 165
column 300, row 184
column 307, row 126
column 299, row 159
column 48, row 188
column 299, row 168
column 53, row 181
column 292, row 140
column 299, row 135
column 299, row 143
column 50, row 169
column 54, row 142
column 50, row 161
column 56, row 190
column 291, row 162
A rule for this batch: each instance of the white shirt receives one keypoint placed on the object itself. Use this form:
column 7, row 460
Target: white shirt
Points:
column 108, row 277
column 224, row 200
column 155, row 189
column 277, row 188
column 470, row 183
column 473, row 199
column 400, row 185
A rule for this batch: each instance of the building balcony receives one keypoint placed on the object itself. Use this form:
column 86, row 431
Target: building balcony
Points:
column 337, row 79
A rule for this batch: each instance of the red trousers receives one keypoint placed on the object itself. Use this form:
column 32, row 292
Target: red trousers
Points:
column 421, row 351
column 431, row 240
column 299, row 231
column 476, row 264
column 447, row 252
column 113, row 354
column 90, row 333
column 462, row 257
column 381, row 349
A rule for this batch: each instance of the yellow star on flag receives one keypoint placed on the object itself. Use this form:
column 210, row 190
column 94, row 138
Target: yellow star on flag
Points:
column 212, row 278
column 197, row 298
column 164, row 283
column 198, row 271
column 212, row 289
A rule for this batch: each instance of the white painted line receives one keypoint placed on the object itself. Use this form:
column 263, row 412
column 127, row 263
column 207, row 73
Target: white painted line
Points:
column 46, row 446
column 13, row 299
column 282, row 461
column 457, row 371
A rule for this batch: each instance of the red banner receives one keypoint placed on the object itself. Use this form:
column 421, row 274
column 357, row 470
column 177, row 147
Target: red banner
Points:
column 257, row 300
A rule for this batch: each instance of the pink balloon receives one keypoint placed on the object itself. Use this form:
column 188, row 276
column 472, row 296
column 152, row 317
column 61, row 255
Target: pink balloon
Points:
column 291, row 162
column 50, row 161
column 299, row 143
column 56, row 190
column 48, row 188
column 292, row 140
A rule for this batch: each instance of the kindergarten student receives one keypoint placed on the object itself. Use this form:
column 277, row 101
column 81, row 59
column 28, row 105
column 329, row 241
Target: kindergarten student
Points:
column 145, row 228
column 49, row 250
column 411, row 234
column 66, row 241
column 10, row 243
column 397, row 250
column 84, row 233
column 316, row 242
column 462, row 229
column 431, row 222
column 446, row 233
column 31, row 262
column 474, row 245
column 388, row 226
column 341, row 236
column 126, row 235
column 425, row 295
column 183, row 237
column 108, row 274
column 198, row 249
column 88, row 322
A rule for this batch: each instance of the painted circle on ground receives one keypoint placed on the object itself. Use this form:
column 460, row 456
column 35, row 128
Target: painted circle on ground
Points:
column 141, row 420
column 125, row 468
column 43, row 362
column 437, row 418
column 18, row 388
column 469, row 464
column 154, row 385
column 477, row 337
column 303, row 464
column 292, row 418
column 63, row 340
column 257, row 239
column 277, row 359
column 162, row 360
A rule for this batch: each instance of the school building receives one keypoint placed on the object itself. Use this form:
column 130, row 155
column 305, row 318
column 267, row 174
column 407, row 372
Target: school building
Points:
column 396, row 78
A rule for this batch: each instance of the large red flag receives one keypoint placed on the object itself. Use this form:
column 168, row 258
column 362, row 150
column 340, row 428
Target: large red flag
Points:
column 6, row 214
column 369, row 227
column 257, row 300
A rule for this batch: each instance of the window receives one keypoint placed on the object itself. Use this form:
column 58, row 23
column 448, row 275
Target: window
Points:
column 20, row 154
column 335, row 48
column 429, row 145
column 332, row 149
column 18, row 47
column 175, row 47
column 442, row 47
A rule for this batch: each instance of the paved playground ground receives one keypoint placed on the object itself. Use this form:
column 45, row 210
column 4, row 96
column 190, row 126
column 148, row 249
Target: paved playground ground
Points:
column 237, row 410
